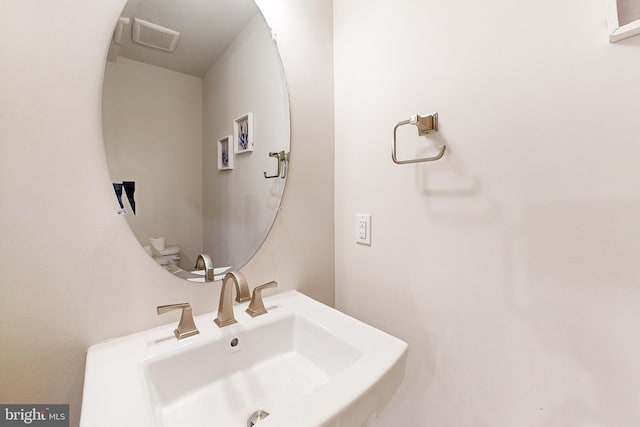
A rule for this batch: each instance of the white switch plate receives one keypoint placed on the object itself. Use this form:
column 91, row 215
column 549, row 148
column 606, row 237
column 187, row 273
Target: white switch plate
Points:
column 363, row 229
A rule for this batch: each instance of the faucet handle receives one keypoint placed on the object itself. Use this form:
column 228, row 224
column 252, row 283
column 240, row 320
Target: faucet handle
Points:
column 256, row 306
column 186, row 326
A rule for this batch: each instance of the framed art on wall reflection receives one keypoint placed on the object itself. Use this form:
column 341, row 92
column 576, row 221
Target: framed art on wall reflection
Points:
column 243, row 133
column 624, row 19
column 225, row 153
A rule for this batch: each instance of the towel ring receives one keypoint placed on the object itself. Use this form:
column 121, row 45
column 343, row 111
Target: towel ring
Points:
column 425, row 125
column 282, row 158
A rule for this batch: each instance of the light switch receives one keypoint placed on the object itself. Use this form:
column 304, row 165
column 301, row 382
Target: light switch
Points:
column 363, row 229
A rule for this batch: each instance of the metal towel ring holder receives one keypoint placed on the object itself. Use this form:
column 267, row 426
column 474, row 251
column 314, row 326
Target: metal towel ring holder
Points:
column 425, row 125
column 283, row 159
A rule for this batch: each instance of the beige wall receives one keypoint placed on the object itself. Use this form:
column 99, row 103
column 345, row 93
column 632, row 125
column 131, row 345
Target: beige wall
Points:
column 240, row 204
column 299, row 250
column 152, row 122
column 72, row 272
column 510, row 267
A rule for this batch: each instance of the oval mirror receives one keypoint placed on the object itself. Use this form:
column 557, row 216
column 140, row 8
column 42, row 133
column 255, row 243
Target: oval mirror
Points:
column 196, row 129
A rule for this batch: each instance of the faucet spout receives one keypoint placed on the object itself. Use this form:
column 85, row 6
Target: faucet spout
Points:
column 225, row 305
column 203, row 262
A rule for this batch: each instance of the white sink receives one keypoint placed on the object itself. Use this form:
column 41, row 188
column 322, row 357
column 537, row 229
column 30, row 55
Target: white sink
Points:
column 304, row 363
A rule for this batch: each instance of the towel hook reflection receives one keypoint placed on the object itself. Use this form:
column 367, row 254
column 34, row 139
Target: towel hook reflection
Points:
column 283, row 159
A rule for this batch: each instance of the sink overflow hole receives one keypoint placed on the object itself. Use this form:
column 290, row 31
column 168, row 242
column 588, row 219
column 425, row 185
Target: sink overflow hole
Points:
column 257, row 416
column 234, row 342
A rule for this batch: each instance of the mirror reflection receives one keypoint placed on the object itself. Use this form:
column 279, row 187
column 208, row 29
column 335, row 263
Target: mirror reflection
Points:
column 195, row 110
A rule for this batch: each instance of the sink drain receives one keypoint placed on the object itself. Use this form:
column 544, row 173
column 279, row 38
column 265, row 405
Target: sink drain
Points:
column 257, row 416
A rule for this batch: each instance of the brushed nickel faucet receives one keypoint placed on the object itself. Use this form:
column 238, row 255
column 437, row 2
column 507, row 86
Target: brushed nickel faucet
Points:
column 225, row 306
column 203, row 262
column 186, row 327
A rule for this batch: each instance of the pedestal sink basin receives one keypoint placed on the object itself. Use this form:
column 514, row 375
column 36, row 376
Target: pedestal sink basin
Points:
column 303, row 363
